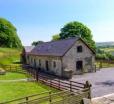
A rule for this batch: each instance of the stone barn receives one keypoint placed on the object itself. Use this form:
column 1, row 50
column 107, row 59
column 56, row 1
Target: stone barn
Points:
column 63, row 57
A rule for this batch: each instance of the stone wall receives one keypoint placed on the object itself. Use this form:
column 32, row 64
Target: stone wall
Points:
column 34, row 61
column 72, row 56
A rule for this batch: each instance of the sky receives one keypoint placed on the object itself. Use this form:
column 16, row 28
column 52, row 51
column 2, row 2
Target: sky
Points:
column 40, row 19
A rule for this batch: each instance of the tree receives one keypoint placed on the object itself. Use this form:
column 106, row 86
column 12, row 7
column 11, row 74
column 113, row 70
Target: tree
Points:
column 103, row 55
column 34, row 43
column 8, row 35
column 56, row 37
column 74, row 29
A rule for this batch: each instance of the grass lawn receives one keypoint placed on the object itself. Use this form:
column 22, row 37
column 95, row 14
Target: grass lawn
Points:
column 14, row 90
column 12, row 75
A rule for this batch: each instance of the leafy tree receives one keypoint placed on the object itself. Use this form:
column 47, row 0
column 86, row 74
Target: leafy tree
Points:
column 74, row 29
column 34, row 43
column 56, row 37
column 8, row 35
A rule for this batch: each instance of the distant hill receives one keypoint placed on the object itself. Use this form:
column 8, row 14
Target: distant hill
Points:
column 104, row 44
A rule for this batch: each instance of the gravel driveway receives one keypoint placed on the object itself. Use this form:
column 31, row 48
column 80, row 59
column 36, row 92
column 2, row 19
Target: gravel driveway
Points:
column 102, row 81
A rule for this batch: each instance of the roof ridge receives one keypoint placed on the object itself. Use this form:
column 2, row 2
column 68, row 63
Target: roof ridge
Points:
column 59, row 40
column 55, row 48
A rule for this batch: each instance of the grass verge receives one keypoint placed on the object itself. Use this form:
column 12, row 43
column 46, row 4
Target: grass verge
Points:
column 12, row 76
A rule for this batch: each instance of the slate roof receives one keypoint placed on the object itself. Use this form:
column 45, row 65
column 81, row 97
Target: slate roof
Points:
column 54, row 48
column 28, row 49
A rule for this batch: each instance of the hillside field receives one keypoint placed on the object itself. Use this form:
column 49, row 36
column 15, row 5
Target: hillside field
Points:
column 9, row 56
column 108, row 49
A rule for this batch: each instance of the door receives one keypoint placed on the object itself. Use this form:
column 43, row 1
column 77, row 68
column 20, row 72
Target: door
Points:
column 79, row 65
column 47, row 66
column 34, row 63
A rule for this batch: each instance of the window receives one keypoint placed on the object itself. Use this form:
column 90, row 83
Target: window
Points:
column 79, row 49
column 79, row 65
column 54, row 64
column 39, row 62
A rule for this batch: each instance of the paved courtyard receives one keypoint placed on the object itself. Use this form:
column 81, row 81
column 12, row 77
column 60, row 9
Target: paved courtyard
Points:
column 102, row 81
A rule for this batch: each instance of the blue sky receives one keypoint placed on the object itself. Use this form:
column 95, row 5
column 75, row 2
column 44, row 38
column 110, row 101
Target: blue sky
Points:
column 40, row 19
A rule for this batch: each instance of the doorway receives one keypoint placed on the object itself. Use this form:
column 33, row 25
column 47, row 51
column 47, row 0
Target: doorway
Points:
column 47, row 65
column 34, row 63
column 79, row 65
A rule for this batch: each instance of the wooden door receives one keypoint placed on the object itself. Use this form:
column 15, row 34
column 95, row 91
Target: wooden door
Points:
column 47, row 65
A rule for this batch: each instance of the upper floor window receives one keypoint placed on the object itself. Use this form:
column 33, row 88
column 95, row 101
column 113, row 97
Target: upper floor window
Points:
column 79, row 49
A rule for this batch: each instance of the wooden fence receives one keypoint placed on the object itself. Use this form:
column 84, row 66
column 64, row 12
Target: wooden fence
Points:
column 13, row 68
column 62, row 97
column 72, row 86
column 104, row 63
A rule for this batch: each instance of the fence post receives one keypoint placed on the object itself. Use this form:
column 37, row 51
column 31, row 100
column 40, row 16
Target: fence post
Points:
column 50, row 83
column 50, row 100
column 59, row 84
column 37, row 75
column 34, row 73
column 88, row 85
column 100, row 66
column 26, row 100
column 10, row 67
column 95, row 68
column 70, row 86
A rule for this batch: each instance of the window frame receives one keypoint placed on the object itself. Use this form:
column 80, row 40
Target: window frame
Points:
column 79, row 49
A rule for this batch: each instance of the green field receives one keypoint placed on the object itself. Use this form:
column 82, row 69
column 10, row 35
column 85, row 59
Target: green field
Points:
column 12, row 76
column 109, row 50
column 13, row 90
column 9, row 56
